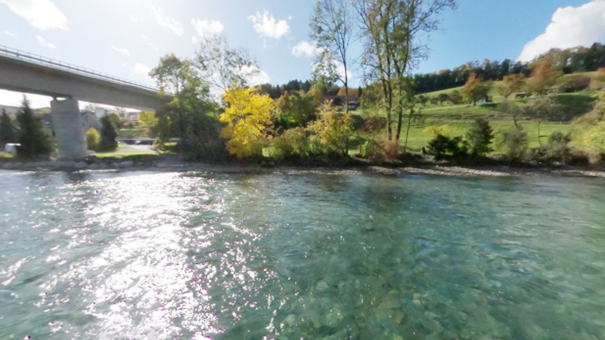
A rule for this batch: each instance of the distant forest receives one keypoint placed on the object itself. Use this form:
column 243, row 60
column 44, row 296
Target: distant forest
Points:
column 579, row 59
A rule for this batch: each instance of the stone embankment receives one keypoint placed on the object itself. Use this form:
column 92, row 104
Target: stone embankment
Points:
column 75, row 165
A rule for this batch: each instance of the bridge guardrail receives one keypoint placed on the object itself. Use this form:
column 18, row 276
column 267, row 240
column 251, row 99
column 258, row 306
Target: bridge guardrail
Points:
column 56, row 64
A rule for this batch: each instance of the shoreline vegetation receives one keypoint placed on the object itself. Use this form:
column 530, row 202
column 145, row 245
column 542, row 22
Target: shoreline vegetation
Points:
column 548, row 113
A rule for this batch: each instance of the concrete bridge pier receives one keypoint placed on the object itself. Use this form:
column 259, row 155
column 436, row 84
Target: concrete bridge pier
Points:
column 68, row 128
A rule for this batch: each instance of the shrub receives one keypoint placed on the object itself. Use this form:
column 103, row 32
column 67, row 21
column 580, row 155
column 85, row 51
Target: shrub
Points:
column 372, row 150
column 479, row 137
column 575, row 84
column 434, row 131
column 390, row 149
column 331, row 132
column 92, row 139
column 557, row 145
column 514, row 143
column 108, row 135
column 442, row 145
column 594, row 139
column 291, row 144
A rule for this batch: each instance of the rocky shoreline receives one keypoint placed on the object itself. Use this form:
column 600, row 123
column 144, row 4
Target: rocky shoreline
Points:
column 420, row 169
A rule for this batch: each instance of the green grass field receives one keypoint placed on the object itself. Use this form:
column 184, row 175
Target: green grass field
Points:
column 420, row 138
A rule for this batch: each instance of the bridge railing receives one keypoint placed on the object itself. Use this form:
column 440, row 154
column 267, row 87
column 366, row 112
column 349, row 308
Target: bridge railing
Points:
column 56, row 64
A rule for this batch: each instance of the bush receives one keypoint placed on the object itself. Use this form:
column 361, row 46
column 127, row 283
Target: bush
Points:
column 514, row 142
column 108, row 135
column 92, row 139
column 594, row 139
column 331, row 132
column 479, row 137
column 292, row 144
column 372, row 150
column 443, row 130
column 557, row 145
column 575, row 84
column 442, row 145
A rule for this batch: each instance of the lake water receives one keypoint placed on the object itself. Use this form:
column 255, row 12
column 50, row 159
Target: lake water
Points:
column 183, row 256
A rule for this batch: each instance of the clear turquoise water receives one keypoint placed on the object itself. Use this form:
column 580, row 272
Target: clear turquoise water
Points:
column 180, row 256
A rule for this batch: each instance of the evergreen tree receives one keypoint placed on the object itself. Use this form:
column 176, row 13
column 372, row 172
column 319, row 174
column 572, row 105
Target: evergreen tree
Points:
column 8, row 134
column 34, row 142
column 480, row 137
column 108, row 135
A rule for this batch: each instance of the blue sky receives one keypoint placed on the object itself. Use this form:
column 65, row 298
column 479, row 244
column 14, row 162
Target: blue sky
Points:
column 126, row 38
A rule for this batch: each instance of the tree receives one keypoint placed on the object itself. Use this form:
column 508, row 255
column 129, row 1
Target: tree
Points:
column 479, row 137
column 542, row 109
column 221, row 66
column 296, row 109
column 474, row 89
column 443, row 97
column 332, row 30
column 392, row 31
column 247, row 116
column 514, row 142
column 8, row 134
column 332, row 131
column 150, row 121
column 34, row 142
column 512, row 83
column 108, row 135
column 190, row 114
column 115, row 120
column 92, row 139
column 543, row 77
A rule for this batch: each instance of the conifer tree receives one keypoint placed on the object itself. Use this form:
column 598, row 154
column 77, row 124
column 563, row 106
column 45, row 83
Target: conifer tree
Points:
column 34, row 142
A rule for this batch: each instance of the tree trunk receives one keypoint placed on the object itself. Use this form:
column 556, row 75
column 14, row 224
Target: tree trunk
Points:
column 407, row 133
column 346, row 90
column 539, row 136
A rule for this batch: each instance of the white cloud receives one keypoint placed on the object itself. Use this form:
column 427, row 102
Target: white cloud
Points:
column 266, row 25
column 256, row 76
column 10, row 34
column 206, row 28
column 135, row 18
column 42, row 14
column 166, row 21
column 569, row 27
column 45, row 43
column 124, row 50
column 141, row 69
column 149, row 43
column 289, row 17
column 305, row 49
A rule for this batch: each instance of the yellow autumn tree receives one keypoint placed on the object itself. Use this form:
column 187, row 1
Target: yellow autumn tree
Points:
column 247, row 117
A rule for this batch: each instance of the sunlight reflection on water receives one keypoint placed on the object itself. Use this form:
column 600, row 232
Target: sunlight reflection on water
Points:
column 180, row 256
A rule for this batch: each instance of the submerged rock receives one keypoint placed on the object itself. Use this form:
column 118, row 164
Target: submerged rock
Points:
column 333, row 318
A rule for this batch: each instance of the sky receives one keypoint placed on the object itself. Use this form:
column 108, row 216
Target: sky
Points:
column 126, row 38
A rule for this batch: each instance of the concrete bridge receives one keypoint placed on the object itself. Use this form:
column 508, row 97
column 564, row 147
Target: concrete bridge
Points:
column 66, row 84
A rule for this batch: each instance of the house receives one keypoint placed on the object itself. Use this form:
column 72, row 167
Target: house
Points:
column 89, row 120
column 522, row 95
column 11, row 111
column 131, row 116
column 339, row 101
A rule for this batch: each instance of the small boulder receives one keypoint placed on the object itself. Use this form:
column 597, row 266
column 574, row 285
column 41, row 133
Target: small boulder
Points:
column 94, row 166
column 80, row 165
column 115, row 165
column 9, row 166
column 127, row 164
